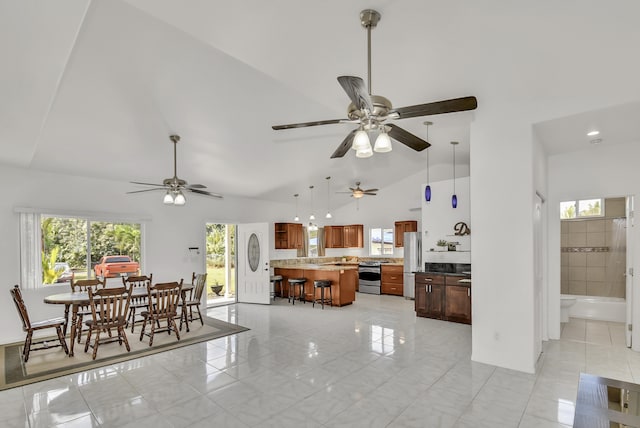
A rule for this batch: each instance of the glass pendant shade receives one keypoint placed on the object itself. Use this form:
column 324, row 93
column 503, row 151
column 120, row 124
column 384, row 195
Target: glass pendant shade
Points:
column 179, row 199
column 328, row 215
column 361, row 141
column 364, row 153
column 312, row 217
column 454, row 201
column 296, row 218
column 427, row 193
column 168, row 199
column 383, row 143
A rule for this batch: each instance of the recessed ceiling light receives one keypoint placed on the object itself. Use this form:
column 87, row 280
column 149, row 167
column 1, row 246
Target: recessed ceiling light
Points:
column 593, row 133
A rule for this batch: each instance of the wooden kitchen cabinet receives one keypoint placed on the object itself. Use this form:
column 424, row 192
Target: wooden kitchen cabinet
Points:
column 354, row 236
column 288, row 236
column 443, row 297
column 334, row 236
column 351, row 236
column 392, row 280
column 401, row 227
column 286, row 274
column 430, row 295
column 458, row 304
column 343, row 283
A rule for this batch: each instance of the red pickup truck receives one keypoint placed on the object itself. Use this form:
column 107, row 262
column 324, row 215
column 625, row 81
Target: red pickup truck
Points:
column 112, row 266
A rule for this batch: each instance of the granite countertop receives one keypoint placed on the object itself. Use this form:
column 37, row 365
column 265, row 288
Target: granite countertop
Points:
column 326, row 267
column 461, row 275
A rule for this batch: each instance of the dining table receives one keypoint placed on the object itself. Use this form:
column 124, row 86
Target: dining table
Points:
column 76, row 299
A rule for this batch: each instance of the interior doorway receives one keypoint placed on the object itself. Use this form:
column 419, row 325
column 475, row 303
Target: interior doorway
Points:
column 595, row 262
column 221, row 264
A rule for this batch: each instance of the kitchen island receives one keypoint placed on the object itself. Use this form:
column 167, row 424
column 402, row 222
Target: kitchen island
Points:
column 344, row 279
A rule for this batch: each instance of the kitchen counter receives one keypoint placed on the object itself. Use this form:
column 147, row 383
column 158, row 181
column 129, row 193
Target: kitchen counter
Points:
column 343, row 280
column 461, row 275
column 326, row 267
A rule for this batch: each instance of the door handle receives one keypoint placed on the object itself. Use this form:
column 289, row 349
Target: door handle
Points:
column 468, row 292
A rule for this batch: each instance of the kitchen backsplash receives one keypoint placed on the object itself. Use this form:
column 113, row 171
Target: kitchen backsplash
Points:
column 321, row 260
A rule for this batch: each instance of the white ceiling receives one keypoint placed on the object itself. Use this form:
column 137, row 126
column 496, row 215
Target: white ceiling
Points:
column 95, row 87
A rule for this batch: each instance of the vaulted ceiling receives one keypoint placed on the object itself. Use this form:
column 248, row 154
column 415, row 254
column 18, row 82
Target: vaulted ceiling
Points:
column 94, row 88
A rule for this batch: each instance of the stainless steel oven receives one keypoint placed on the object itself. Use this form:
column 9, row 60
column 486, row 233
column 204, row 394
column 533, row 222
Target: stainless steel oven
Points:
column 369, row 277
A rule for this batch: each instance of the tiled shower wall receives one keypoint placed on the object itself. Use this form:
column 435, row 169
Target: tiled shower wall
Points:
column 593, row 253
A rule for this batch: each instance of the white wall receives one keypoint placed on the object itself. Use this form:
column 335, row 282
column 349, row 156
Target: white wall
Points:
column 168, row 233
column 439, row 217
column 597, row 171
column 502, row 257
column 393, row 203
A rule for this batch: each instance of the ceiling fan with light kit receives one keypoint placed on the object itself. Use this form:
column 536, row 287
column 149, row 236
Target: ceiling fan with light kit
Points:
column 372, row 113
column 174, row 186
column 357, row 192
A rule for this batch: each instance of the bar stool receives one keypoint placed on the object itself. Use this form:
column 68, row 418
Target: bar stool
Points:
column 276, row 279
column 293, row 283
column 322, row 284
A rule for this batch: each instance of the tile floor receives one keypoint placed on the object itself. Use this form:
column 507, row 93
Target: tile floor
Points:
column 371, row 364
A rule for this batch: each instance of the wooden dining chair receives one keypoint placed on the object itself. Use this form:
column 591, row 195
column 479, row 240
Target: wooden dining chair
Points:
column 163, row 305
column 30, row 327
column 109, row 311
column 194, row 298
column 85, row 310
column 139, row 302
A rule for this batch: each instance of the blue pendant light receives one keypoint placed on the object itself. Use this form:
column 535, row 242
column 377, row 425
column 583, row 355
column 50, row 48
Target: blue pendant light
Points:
column 427, row 190
column 454, row 198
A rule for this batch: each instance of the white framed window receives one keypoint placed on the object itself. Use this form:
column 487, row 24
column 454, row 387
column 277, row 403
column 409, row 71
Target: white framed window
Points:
column 582, row 208
column 56, row 246
column 313, row 241
column 380, row 241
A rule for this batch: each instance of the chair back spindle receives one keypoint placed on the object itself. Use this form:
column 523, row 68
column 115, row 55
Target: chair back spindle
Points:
column 21, row 307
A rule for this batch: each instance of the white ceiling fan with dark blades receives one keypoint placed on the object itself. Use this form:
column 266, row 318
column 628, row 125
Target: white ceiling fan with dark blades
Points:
column 174, row 186
column 372, row 112
column 357, row 192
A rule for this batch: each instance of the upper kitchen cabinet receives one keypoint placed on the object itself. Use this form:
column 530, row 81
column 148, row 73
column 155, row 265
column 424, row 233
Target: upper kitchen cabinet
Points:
column 334, row 236
column 354, row 236
column 351, row 236
column 288, row 236
column 401, row 228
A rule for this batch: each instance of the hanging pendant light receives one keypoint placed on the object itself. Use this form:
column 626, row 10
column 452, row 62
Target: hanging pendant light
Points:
column 311, row 217
column 296, row 218
column 328, row 200
column 427, row 190
column 454, row 198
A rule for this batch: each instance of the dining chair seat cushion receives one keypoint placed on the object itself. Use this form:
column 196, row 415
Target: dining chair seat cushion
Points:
column 37, row 325
column 118, row 320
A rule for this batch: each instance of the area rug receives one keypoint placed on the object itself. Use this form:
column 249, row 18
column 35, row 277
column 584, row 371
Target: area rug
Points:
column 50, row 363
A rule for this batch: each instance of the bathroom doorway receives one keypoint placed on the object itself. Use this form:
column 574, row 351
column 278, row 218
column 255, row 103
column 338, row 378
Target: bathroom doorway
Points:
column 595, row 258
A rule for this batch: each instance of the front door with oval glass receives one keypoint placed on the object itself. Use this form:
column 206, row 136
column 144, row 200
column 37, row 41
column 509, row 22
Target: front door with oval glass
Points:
column 253, row 263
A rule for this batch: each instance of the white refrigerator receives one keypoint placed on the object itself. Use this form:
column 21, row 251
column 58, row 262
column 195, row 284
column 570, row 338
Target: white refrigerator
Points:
column 412, row 262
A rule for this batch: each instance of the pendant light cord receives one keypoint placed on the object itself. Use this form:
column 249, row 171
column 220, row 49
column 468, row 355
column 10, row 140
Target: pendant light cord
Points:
column 454, row 169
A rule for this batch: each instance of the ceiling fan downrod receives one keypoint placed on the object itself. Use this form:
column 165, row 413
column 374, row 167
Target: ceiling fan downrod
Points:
column 175, row 139
column 369, row 18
